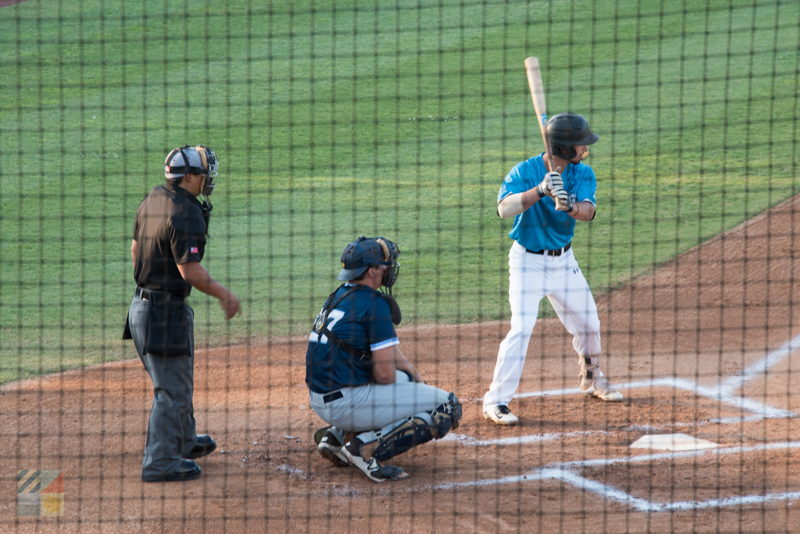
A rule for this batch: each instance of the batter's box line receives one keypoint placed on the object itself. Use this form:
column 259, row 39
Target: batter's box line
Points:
column 566, row 472
column 760, row 367
column 716, row 394
column 470, row 441
column 723, row 393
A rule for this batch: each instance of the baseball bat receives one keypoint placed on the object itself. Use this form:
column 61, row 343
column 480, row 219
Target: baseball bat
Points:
column 537, row 96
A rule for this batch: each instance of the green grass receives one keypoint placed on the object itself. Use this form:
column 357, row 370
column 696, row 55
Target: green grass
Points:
column 396, row 119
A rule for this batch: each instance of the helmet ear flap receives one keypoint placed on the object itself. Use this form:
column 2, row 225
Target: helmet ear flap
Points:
column 564, row 152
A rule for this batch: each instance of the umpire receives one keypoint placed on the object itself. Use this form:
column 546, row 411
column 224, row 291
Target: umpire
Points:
column 169, row 240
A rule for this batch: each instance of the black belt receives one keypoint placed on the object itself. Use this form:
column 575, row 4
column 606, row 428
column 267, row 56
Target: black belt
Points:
column 332, row 396
column 152, row 294
column 556, row 252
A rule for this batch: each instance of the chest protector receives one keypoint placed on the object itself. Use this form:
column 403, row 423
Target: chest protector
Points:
column 321, row 322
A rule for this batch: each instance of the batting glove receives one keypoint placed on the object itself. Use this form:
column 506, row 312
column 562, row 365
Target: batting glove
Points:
column 552, row 182
column 563, row 202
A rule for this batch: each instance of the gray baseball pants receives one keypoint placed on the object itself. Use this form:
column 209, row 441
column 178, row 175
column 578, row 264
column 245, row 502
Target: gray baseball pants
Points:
column 383, row 407
column 171, row 427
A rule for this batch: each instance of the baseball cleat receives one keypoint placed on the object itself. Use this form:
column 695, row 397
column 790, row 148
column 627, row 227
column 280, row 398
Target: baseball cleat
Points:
column 318, row 435
column 330, row 448
column 596, row 384
column 371, row 467
column 500, row 415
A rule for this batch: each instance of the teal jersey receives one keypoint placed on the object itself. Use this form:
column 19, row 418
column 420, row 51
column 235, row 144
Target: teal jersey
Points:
column 542, row 227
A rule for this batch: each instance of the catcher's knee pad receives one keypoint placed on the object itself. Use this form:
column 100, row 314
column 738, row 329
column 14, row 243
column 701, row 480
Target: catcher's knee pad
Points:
column 446, row 416
column 412, row 432
column 416, row 430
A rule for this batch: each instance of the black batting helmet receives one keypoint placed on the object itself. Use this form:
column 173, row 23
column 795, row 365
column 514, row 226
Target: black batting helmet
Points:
column 567, row 130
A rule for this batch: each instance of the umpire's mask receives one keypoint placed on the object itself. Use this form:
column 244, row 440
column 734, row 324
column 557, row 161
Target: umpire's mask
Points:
column 192, row 160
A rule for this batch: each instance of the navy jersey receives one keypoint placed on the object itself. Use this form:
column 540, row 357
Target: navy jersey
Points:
column 361, row 320
column 541, row 226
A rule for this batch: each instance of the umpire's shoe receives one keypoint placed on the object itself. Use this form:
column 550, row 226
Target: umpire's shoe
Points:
column 501, row 415
column 329, row 445
column 203, row 446
column 187, row 470
column 371, row 468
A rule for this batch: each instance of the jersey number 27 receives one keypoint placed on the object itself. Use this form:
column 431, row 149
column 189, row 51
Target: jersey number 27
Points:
column 333, row 317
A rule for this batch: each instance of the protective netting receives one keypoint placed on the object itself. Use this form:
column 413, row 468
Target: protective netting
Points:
column 333, row 120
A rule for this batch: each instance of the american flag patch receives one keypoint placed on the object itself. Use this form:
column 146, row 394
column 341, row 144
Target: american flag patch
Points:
column 194, row 250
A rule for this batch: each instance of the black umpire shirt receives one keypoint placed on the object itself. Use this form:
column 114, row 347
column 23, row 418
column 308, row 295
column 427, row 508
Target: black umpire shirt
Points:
column 169, row 230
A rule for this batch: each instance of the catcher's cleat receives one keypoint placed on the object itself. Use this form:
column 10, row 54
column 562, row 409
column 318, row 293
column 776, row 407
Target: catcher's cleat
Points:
column 371, row 467
column 330, row 447
column 320, row 433
column 595, row 383
column 501, row 415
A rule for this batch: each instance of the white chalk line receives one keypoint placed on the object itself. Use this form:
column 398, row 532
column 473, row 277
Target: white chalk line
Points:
column 723, row 393
column 469, row 441
column 643, row 505
column 718, row 394
column 760, row 367
column 565, row 472
column 678, row 455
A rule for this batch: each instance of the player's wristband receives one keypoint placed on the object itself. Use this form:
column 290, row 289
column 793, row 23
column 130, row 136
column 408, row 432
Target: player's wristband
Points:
column 539, row 191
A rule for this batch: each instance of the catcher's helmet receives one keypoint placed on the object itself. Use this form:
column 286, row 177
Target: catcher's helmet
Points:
column 192, row 160
column 366, row 252
column 567, row 130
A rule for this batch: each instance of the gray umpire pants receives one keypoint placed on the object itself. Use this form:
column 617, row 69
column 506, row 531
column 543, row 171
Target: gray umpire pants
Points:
column 171, row 428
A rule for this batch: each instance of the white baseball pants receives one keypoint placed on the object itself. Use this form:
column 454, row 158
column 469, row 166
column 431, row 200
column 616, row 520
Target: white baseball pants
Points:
column 531, row 277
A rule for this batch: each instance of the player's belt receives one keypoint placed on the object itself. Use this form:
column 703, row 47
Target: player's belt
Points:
column 556, row 252
column 332, row 396
column 152, row 294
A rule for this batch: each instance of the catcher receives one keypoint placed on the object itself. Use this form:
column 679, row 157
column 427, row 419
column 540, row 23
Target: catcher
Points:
column 359, row 380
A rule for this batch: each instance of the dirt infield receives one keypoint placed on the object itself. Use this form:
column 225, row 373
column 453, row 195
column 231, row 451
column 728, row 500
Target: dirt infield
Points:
column 703, row 347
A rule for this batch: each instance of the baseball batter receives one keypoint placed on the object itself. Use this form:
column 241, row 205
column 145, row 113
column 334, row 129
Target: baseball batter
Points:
column 545, row 206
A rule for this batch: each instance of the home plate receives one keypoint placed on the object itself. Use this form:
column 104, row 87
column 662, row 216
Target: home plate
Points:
column 672, row 442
